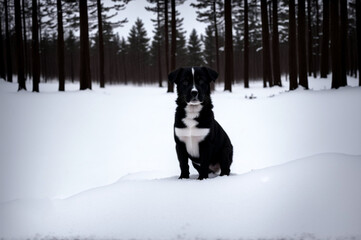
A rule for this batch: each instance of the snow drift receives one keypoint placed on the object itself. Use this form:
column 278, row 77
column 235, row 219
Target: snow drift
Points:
column 82, row 165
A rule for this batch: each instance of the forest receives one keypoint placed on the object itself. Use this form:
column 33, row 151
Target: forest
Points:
column 42, row 40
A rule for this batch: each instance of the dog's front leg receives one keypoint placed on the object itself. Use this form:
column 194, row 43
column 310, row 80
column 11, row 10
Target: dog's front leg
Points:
column 183, row 160
column 205, row 159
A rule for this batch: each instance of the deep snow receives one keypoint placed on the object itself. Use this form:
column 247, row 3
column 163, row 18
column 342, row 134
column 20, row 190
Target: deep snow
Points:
column 102, row 164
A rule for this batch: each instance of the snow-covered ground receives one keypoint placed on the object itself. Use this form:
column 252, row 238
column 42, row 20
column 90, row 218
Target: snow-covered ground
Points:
column 102, row 164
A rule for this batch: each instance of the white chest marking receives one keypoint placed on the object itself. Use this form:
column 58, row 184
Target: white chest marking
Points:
column 194, row 85
column 191, row 135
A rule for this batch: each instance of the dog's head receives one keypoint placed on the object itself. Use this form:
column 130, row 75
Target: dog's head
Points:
column 193, row 83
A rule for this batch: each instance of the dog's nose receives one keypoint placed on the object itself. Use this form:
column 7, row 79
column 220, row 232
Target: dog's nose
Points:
column 194, row 93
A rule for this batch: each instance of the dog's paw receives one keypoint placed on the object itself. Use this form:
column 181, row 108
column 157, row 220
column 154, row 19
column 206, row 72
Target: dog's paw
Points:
column 202, row 177
column 183, row 176
column 225, row 173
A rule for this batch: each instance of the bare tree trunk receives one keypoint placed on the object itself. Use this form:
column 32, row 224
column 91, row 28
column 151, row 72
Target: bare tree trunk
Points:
column 228, row 48
column 358, row 24
column 2, row 61
column 343, row 37
column 35, row 47
column 173, row 45
column 275, row 47
column 26, row 67
column 335, row 45
column 302, row 63
column 325, row 39
column 20, row 47
column 309, row 36
column 101, row 44
column 216, row 33
column 166, row 40
column 85, row 80
column 60, row 46
column 159, row 50
column 292, row 46
column 9, row 65
column 265, row 46
column 246, row 46
column 317, row 54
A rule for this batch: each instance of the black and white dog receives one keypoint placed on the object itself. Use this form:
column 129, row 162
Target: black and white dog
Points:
column 197, row 134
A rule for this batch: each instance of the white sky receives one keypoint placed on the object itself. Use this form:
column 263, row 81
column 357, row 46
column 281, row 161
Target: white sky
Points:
column 136, row 9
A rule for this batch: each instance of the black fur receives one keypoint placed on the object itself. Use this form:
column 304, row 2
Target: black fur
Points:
column 216, row 147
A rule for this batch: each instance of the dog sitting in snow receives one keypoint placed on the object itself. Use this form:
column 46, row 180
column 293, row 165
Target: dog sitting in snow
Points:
column 197, row 134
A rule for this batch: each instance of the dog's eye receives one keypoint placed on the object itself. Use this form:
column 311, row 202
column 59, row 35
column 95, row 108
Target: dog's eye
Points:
column 185, row 83
column 201, row 82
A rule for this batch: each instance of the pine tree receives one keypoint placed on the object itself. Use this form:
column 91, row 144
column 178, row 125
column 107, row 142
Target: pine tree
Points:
column 211, row 12
column 194, row 50
column 209, row 48
column 102, row 19
column 138, row 50
column 72, row 47
column 158, row 36
column 123, row 52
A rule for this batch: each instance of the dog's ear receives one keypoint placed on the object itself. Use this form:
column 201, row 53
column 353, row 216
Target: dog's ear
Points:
column 213, row 75
column 174, row 76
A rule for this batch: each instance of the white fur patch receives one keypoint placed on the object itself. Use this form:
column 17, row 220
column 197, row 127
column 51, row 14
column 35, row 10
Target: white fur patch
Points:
column 194, row 84
column 191, row 135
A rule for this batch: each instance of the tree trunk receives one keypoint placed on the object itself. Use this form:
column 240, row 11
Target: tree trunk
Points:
column 26, row 67
column 325, row 39
column 159, row 48
column 101, row 45
column 215, row 25
column 60, row 46
column 275, row 47
column 228, row 48
column 35, row 47
column 20, row 47
column 343, row 37
column 317, row 49
column 166, row 40
column 2, row 61
column 302, row 63
column 265, row 46
column 9, row 65
column 173, row 45
column 85, row 80
column 292, row 46
column 309, row 36
column 246, row 46
column 358, row 24
column 335, row 45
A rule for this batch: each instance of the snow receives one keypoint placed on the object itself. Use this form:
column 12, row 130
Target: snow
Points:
column 102, row 164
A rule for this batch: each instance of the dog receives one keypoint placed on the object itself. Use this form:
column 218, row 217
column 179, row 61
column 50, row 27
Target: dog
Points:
column 198, row 136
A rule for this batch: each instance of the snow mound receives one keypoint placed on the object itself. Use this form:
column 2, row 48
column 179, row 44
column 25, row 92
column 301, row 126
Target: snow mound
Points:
column 313, row 197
